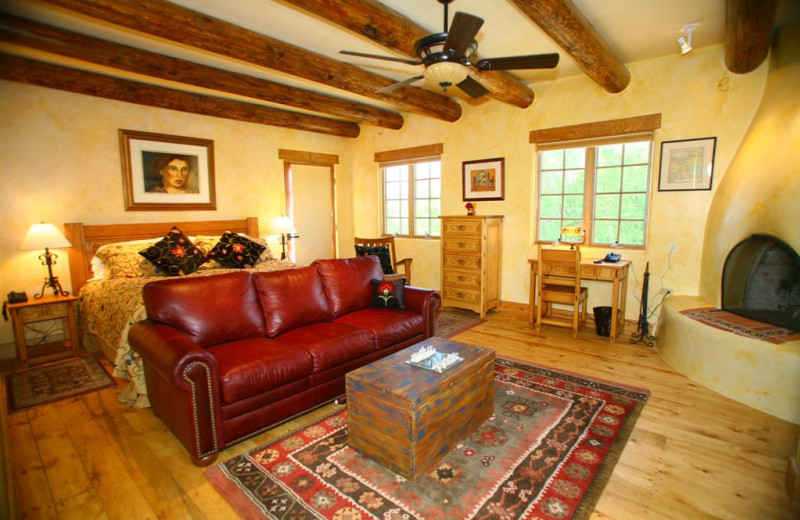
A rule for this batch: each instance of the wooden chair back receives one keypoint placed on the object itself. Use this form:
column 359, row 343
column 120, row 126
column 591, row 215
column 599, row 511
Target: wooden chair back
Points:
column 558, row 281
column 396, row 264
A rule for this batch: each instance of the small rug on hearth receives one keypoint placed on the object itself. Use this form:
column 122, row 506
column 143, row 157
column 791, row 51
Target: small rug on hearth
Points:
column 50, row 383
column 740, row 325
column 451, row 322
column 546, row 453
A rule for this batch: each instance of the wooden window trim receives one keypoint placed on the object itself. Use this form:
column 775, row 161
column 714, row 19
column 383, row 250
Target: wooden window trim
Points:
column 611, row 127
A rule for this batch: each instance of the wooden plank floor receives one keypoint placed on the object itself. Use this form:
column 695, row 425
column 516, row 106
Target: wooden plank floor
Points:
column 693, row 455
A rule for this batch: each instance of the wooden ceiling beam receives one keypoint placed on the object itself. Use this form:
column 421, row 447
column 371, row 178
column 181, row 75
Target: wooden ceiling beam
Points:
column 32, row 72
column 748, row 33
column 65, row 43
column 187, row 27
column 570, row 29
column 385, row 26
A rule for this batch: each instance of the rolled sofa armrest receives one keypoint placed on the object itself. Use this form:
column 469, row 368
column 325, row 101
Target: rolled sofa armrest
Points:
column 425, row 302
column 183, row 387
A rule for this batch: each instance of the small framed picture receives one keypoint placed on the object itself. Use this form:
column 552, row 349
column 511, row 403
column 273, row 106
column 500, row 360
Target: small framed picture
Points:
column 167, row 172
column 484, row 179
column 687, row 164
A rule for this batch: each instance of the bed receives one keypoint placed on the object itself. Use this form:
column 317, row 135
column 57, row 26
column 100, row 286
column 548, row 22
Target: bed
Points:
column 110, row 303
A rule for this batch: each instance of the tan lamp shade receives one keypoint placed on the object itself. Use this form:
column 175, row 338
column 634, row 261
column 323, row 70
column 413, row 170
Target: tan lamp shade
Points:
column 43, row 236
column 282, row 226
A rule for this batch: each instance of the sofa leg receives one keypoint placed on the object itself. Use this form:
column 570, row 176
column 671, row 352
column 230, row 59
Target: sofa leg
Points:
column 205, row 461
column 342, row 399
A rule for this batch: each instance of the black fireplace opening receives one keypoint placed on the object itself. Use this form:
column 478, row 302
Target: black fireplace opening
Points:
column 761, row 281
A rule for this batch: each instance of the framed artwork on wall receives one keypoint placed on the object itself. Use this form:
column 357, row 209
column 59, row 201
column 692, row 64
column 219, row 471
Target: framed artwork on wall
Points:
column 167, row 172
column 484, row 179
column 687, row 164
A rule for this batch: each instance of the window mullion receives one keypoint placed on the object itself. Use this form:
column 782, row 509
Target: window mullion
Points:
column 588, row 193
column 412, row 199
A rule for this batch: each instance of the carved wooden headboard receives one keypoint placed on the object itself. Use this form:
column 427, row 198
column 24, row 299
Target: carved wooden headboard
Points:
column 86, row 239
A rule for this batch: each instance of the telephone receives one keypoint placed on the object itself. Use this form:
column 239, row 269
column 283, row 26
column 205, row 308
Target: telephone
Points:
column 17, row 297
column 13, row 297
column 612, row 257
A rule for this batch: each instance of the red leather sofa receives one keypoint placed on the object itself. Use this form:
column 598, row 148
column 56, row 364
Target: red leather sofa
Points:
column 227, row 357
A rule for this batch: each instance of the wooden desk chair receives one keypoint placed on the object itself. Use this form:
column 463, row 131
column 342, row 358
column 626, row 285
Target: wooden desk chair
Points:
column 559, row 281
column 384, row 248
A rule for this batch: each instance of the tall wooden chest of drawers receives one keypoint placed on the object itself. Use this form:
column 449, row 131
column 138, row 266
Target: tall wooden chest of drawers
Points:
column 471, row 262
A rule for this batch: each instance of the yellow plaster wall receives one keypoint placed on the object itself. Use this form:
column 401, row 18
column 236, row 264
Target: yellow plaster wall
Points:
column 60, row 162
column 696, row 98
column 761, row 191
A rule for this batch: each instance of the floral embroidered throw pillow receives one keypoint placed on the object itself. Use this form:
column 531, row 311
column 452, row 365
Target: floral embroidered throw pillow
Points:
column 388, row 294
column 236, row 251
column 175, row 254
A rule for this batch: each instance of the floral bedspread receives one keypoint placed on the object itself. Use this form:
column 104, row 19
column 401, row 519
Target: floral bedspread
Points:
column 109, row 308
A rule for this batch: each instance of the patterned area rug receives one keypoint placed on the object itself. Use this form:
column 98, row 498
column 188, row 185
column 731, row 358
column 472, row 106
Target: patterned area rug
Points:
column 451, row 322
column 53, row 382
column 742, row 326
column 546, row 453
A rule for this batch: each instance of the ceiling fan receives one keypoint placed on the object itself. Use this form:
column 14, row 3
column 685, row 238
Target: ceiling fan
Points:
column 446, row 57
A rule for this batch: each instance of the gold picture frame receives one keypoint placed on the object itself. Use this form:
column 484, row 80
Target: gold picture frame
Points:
column 167, row 172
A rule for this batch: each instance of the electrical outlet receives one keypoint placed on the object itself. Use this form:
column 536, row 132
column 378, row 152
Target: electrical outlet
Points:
column 673, row 248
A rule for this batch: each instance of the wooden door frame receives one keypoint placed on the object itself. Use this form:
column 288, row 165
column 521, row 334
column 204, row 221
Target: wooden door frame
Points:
column 291, row 157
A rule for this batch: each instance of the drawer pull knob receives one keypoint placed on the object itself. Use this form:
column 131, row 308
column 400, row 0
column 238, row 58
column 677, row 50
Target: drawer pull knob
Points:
column 461, row 261
column 461, row 227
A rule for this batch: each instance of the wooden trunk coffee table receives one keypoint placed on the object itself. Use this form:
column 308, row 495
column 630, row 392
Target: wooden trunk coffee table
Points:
column 407, row 418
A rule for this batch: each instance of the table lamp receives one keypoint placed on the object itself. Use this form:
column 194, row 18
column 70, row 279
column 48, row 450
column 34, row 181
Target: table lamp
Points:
column 44, row 236
column 572, row 235
column 283, row 226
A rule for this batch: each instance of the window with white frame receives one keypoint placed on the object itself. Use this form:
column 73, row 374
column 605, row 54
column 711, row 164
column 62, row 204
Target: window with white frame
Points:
column 602, row 186
column 412, row 198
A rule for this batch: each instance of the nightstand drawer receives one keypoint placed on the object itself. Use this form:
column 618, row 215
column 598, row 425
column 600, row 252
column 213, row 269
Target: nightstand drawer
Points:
column 465, row 278
column 44, row 312
column 462, row 262
column 462, row 227
column 461, row 244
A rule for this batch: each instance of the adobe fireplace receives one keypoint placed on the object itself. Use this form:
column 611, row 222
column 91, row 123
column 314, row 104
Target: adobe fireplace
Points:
column 761, row 281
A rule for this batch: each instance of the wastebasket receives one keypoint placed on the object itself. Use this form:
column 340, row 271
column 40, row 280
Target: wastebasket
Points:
column 602, row 321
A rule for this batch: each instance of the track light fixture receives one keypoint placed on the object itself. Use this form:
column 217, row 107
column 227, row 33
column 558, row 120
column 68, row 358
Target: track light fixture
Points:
column 685, row 38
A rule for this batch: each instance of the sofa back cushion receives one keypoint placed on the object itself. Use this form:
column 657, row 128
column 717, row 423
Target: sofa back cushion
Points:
column 208, row 309
column 291, row 298
column 348, row 282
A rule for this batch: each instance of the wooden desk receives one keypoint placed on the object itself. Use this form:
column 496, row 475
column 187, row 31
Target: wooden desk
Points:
column 616, row 272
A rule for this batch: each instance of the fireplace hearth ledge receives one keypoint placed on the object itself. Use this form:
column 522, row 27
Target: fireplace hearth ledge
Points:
column 753, row 372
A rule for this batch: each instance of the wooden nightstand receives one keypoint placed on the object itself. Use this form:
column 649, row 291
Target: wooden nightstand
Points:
column 47, row 308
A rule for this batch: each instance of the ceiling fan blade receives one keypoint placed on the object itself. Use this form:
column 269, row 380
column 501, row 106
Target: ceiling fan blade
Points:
column 399, row 84
column 531, row 61
column 462, row 33
column 379, row 57
column 473, row 88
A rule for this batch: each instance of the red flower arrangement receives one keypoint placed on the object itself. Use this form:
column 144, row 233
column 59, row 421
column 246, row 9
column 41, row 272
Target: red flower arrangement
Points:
column 470, row 208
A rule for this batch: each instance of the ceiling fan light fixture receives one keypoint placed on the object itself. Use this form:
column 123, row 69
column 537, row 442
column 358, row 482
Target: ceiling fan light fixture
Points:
column 446, row 73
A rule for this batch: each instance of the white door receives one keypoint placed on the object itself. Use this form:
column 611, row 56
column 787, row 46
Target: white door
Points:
column 312, row 211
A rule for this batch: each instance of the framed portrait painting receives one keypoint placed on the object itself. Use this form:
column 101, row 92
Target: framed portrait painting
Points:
column 687, row 165
column 484, row 179
column 167, row 172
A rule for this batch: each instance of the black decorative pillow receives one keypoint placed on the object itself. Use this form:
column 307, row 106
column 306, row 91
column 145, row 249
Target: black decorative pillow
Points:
column 388, row 294
column 236, row 251
column 175, row 254
column 382, row 252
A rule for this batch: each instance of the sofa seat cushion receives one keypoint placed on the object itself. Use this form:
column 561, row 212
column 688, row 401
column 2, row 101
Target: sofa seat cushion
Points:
column 330, row 344
column 388, row 326
column 251, row 366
